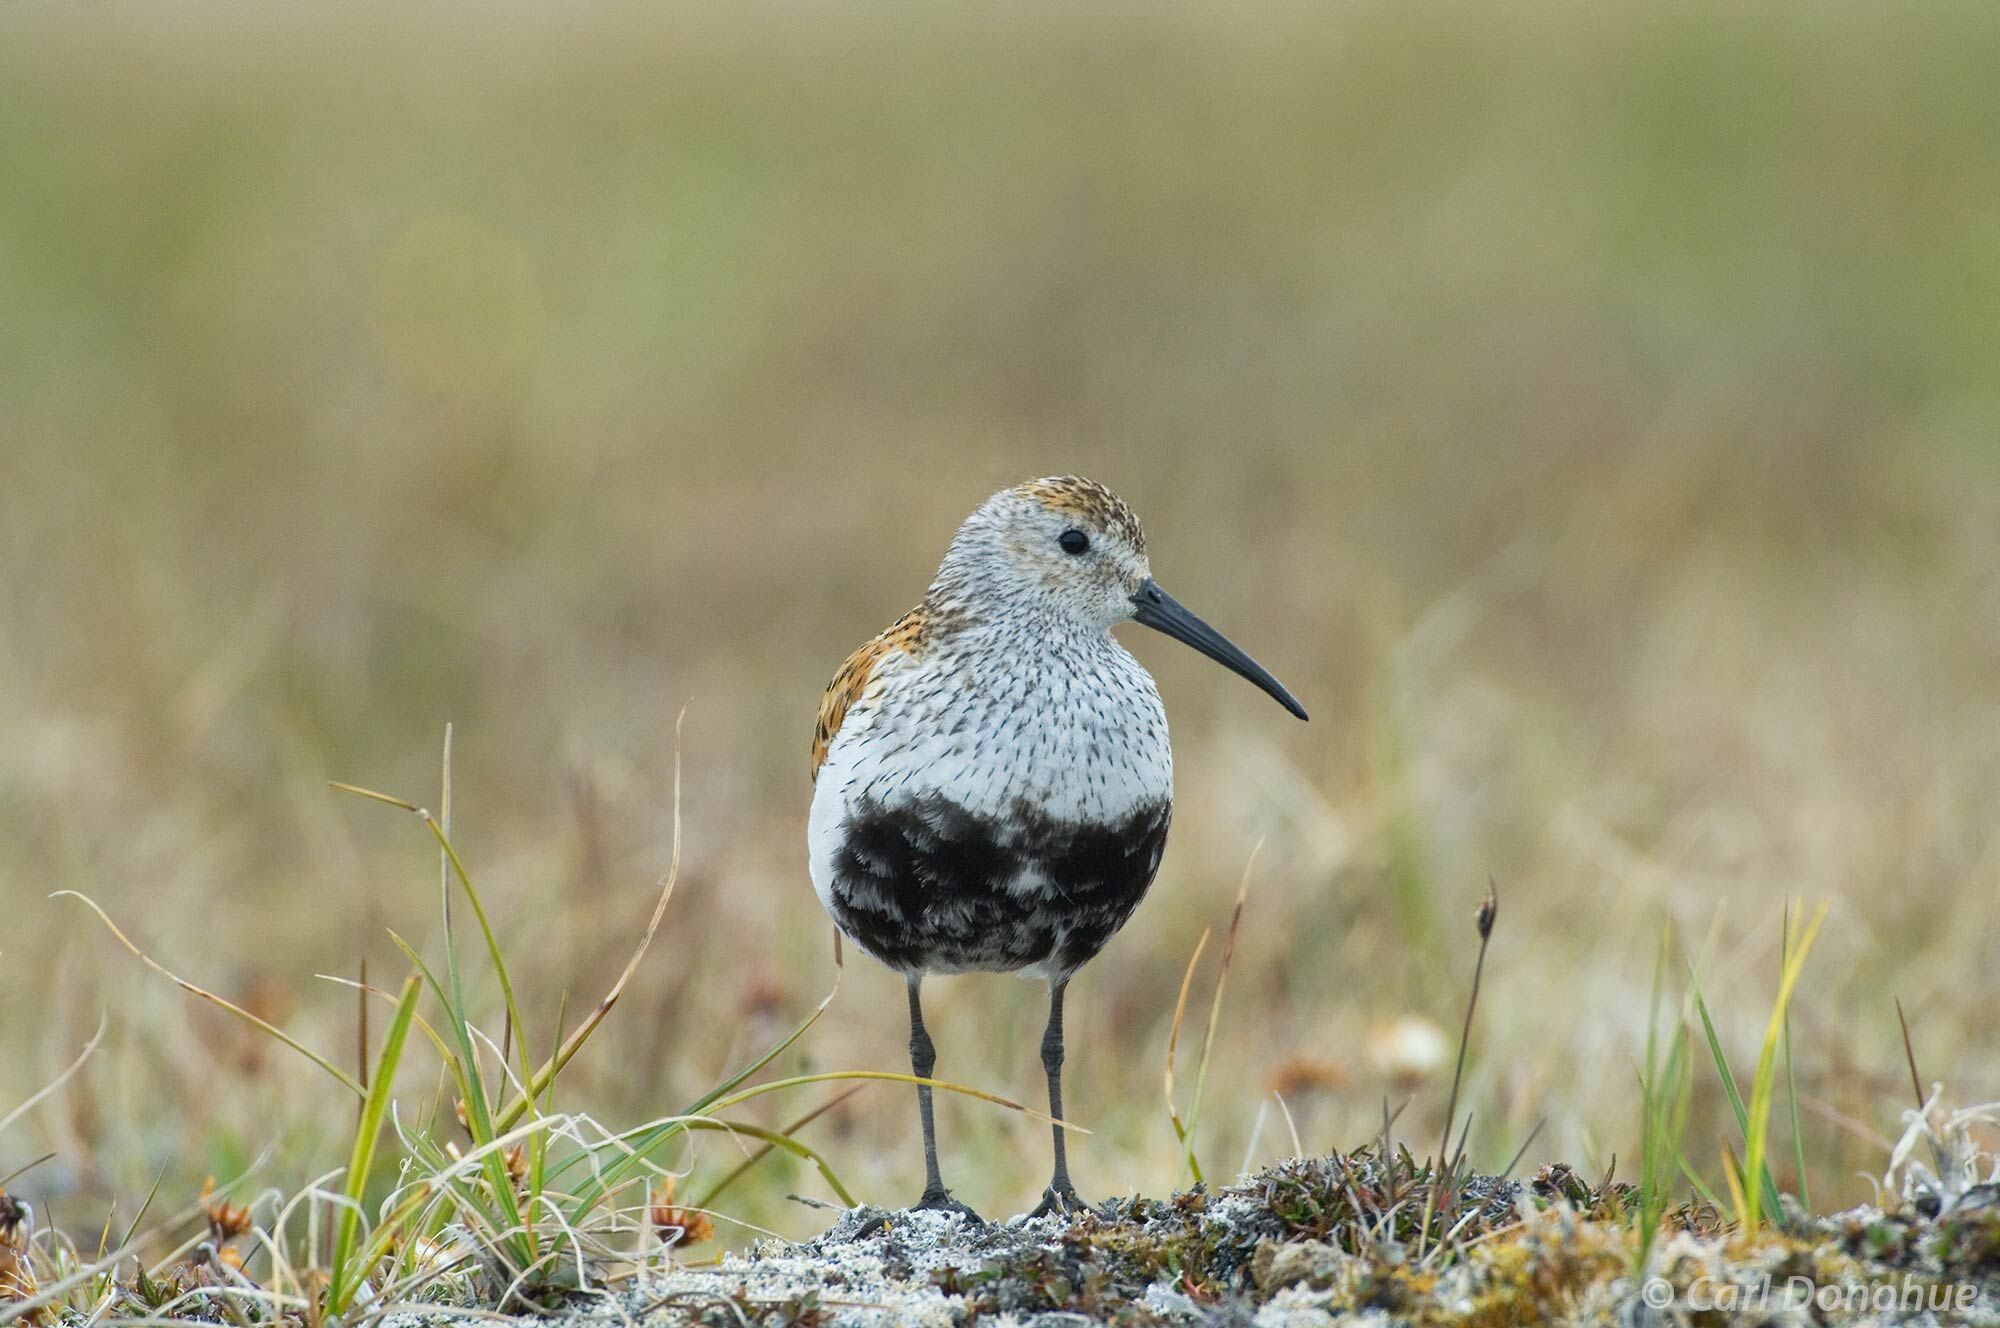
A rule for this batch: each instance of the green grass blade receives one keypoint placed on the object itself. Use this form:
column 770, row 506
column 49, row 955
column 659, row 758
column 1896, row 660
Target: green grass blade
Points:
column 893, row 1077
column 538, row 1147
column 635, row 1145
column 639, row 1143
column 464, row 1066
column 1763, row 1086
column 783, row 1142
column 743, row 1168
column 457, row 870
column 132, row 1227
column 1699, row 1185
column 1663, row 1099
column 1767, row 1187
column 492, row 948
column 1792, row 1088
column 734, row 1081
column 1722, row 1065
column 346, row 1271
column 454, row 1062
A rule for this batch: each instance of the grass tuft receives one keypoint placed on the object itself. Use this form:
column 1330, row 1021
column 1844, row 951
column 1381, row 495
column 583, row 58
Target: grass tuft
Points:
column 1753, row 1190
column 487, row 1198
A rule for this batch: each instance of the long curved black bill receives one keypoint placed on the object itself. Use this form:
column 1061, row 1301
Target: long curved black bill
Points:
column 1163, row 613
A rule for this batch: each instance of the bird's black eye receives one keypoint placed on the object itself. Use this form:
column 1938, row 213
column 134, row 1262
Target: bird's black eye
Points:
column 1074, row 542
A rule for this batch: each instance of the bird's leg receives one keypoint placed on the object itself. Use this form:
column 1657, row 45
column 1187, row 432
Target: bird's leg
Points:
column 923, row 1059
column 1061, row 1196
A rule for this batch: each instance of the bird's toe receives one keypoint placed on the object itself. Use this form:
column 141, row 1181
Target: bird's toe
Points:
column 940, row 1201
column 1059, row 1201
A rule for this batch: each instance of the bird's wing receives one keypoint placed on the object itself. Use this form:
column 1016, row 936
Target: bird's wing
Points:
column 848, row 685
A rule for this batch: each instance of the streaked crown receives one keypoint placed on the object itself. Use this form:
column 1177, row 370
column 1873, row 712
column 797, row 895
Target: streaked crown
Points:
column 1062, row 550
column 1087, row 502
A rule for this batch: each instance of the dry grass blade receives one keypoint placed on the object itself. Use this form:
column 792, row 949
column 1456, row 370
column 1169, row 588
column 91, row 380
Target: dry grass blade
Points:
column 371, row 794
column 1522, row 1151
column 1910, row 1055
column 1174, row 1036
column 1188, row 1158
column 1291, row 1126
column 1916, row 1080
column 1489, row 911
column 263, row 1025
column 31, row 1163
column 574, row 1042
column 1443, row 1190
column 55, row 1293
column 361, row 1026
column 103, row 1022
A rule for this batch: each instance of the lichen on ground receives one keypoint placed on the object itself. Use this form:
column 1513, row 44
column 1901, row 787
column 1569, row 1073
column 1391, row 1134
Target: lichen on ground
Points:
column 1315, row 1242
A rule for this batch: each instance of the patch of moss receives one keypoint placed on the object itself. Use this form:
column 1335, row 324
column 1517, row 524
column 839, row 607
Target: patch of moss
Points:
column 1967, row 1244
column 1102, row 1264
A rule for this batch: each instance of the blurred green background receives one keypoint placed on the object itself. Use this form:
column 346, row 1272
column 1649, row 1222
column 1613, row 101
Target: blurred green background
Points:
column 1589, row 410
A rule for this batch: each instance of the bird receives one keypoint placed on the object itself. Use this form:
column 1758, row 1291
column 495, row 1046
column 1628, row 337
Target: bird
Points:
column 992, row 779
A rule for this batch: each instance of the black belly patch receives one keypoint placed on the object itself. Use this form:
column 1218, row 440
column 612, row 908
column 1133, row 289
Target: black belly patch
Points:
column 925, row 885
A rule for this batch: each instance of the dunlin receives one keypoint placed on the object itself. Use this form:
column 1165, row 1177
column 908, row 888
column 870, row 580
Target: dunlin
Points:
column 992, row 779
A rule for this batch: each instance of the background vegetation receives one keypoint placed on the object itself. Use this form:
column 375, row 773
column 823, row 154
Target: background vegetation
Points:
column 1590, row 411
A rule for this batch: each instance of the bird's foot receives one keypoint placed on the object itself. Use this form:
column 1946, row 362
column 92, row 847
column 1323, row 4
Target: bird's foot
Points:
column 933, row 1201
column 940, row 1201
column 1059, row 1201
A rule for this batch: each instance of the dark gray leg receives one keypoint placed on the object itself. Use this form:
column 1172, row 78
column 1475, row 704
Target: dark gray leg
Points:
column 923, row 1059
column 1061, row 1196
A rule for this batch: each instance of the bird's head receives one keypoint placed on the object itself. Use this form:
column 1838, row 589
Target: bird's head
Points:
column 1070, row 551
